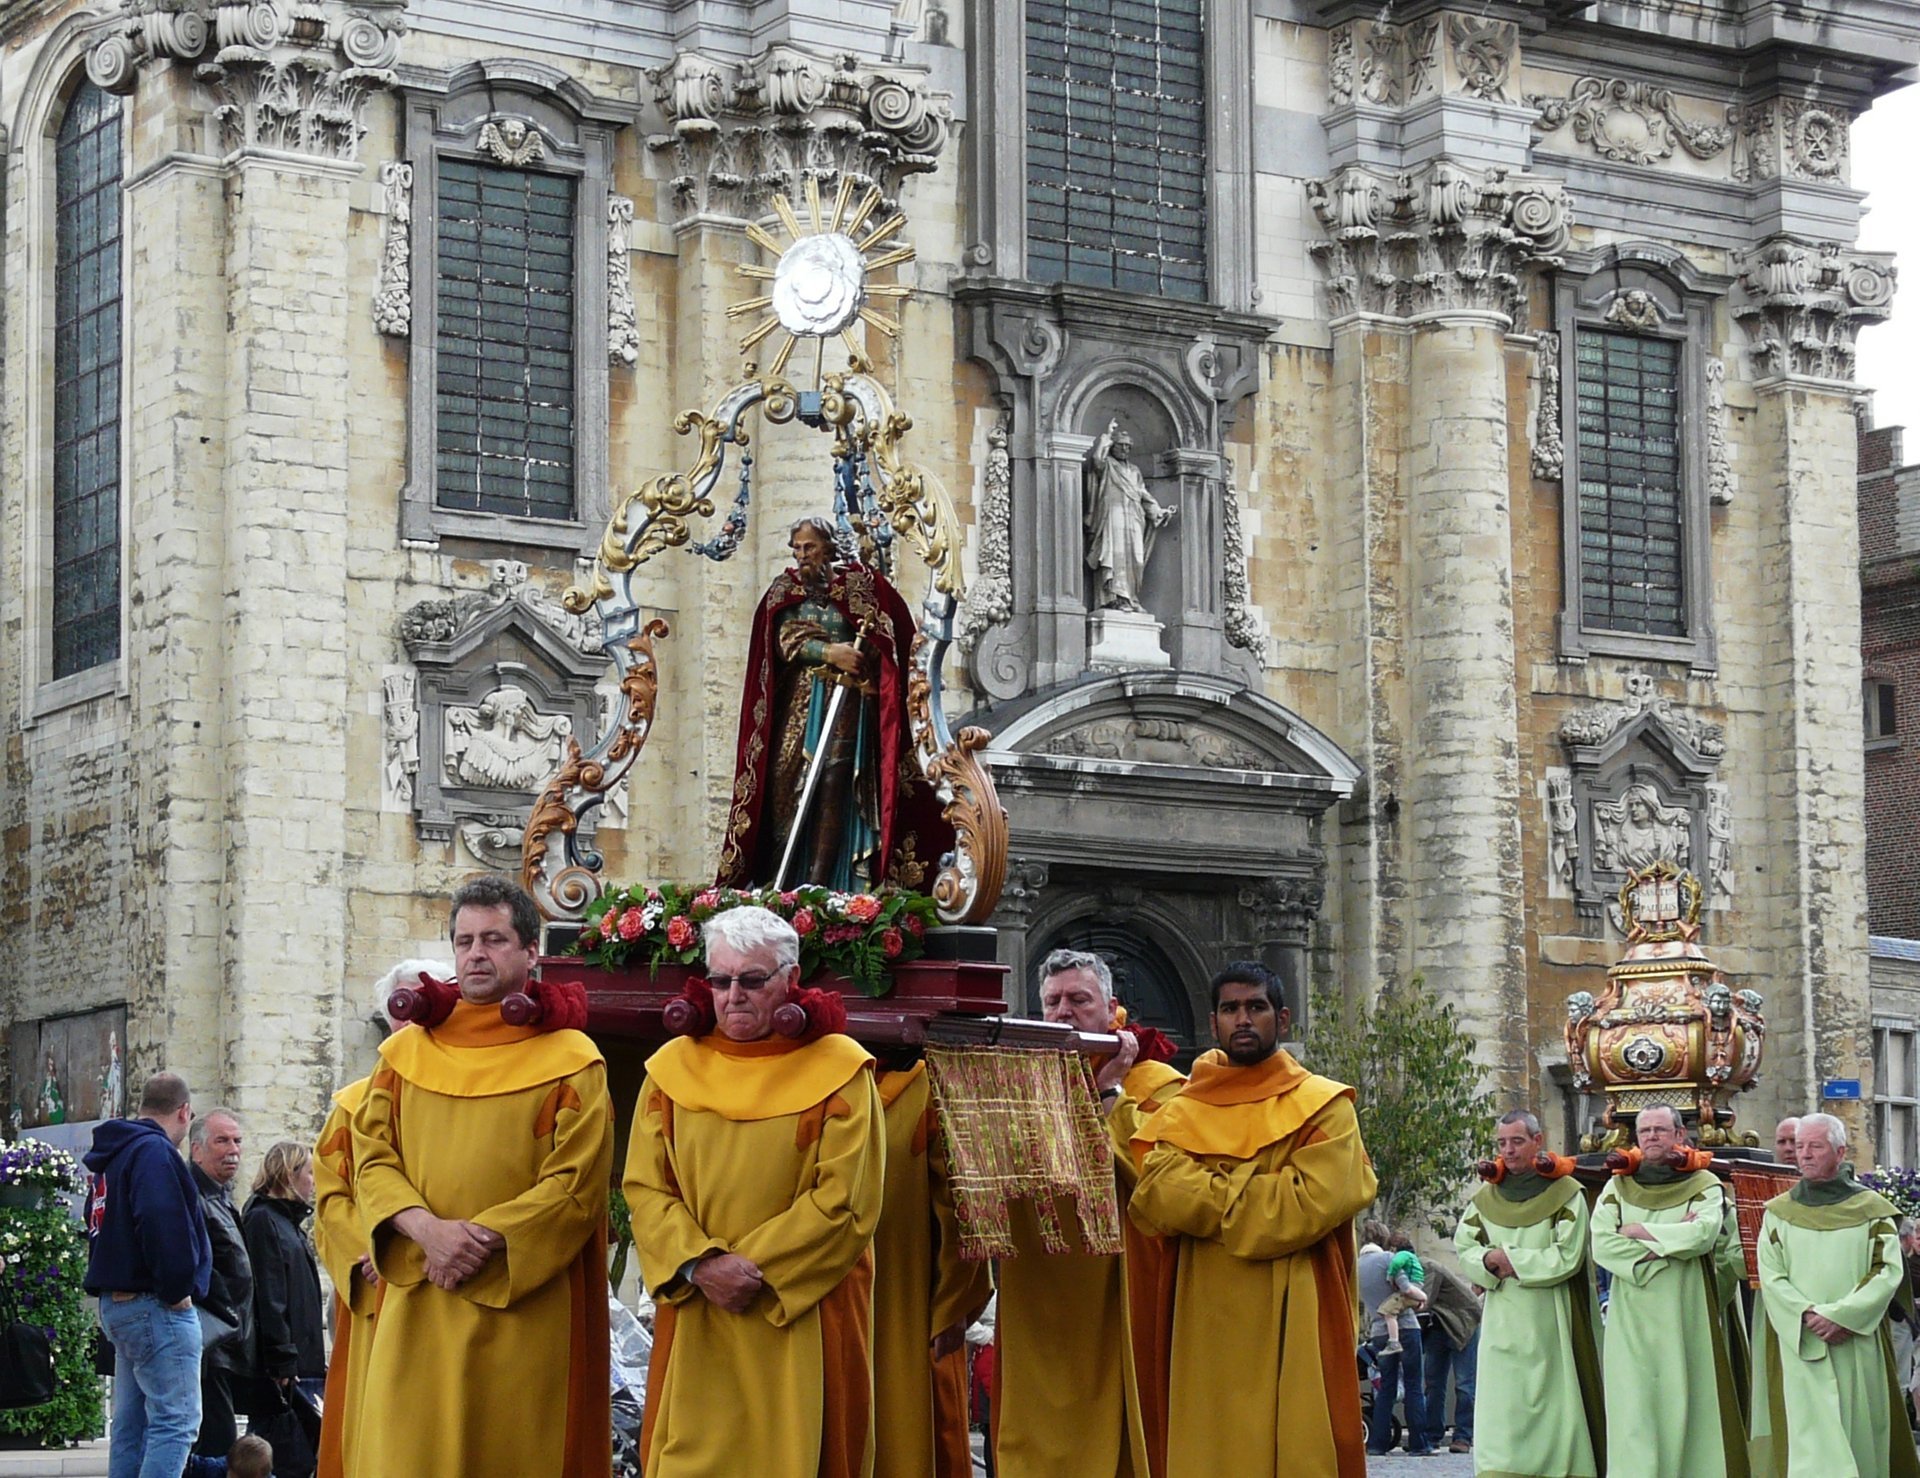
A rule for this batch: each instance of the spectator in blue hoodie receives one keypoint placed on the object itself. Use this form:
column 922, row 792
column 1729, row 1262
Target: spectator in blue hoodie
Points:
column 148, row 1259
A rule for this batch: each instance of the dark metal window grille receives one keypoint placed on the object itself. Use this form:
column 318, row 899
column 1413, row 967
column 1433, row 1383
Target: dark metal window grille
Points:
column 86, row 383
column 1117, row 145
column 504, row 367
column 1632, row 549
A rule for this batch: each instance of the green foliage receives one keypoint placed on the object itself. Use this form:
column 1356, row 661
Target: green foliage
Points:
column 1423, row 1115
column 620, row 1226
column 46, row 1258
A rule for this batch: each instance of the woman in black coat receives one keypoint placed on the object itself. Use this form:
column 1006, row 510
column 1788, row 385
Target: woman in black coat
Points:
column 287, row 1312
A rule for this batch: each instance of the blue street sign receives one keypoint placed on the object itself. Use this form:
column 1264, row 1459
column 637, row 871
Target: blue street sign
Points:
column 1840, row 1088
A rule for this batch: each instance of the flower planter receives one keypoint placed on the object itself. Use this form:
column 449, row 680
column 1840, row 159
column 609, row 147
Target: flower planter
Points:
column 22, row 1197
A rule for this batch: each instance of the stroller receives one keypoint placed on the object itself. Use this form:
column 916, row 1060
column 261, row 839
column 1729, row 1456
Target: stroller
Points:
column 1369, row 1365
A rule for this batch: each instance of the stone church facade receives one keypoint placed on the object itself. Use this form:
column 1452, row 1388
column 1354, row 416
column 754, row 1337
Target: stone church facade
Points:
column 1494, row 364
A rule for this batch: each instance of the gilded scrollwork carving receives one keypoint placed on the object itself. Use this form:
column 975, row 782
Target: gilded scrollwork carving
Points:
column 967, row 888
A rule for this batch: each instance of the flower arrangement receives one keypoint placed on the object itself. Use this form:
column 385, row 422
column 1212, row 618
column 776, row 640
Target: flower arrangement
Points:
column 1902, row 1187
column 45, row 1266
column 858, row 935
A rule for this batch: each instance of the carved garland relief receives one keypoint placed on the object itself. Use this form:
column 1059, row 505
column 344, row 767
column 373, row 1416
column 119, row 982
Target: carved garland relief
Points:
column 1628, row 122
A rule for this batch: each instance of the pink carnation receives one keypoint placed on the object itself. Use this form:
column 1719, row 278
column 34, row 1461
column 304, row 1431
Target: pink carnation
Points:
column 706, row 899
column 804, row 922
column 788, row 899
column 680, row 932
column 863, row 908
column 843, row 933
column 632, row 925
column 914, row 927
column 610, row 921
column 892, row 941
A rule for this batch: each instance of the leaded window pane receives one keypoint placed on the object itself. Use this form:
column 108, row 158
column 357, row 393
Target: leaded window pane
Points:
column 1632, row 552
column 1116, row 145
column 504, row 367
column 86, row 383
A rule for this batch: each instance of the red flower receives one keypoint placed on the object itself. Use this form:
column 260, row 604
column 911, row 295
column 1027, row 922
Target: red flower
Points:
column 706, row 899
column 843, row 933
column 632, row 925
column 914, row 927
column 590, row 936
column 610, row 922
column 804, row 922
column 863, row 908
column 680, row 932
column 892, row 941
column 789, row 898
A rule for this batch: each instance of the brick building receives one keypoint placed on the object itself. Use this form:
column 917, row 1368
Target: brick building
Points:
column 1890, row 679
column 1497, row 360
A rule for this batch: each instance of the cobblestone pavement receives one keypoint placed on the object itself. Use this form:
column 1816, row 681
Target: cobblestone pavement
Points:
column 1399, row 1465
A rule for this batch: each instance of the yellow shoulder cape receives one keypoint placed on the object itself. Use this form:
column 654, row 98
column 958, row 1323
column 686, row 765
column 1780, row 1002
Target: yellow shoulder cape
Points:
column 474, row 1054
column 768, row 1079
column 1144, row 1079
column 352, row 1096
column 1238, row 1111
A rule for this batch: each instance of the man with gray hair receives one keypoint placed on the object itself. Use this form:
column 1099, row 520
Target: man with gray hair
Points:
column 755, row 1176
column 1830, row 1264
column 1783, row 1133
column 213, row 1147
column 1523, row 1238
column 1082, row 1342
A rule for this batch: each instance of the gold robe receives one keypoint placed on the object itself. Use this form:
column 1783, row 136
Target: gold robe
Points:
column 507, row 1376
column 1259, row 1172
column 1066, row 1395
column 341, row 1241
column 921, row 1287
column 776, row 1151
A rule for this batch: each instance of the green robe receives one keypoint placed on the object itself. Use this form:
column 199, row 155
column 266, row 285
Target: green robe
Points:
column 1673, row 1407
column 1537, row 1335
column 1820, row 1410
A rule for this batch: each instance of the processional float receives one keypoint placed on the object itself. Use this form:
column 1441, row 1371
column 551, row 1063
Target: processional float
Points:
column 949, row 1004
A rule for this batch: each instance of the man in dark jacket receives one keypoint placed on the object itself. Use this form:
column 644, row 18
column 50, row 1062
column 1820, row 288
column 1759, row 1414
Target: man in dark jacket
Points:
column 1453, row 1345
column 213, row 1144
column 148, row 1259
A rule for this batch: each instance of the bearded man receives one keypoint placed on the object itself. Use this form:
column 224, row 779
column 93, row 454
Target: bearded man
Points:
column 1257, row 1169
column 755, row 1177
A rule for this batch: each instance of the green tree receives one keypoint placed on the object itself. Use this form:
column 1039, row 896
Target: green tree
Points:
column 1423, row 1115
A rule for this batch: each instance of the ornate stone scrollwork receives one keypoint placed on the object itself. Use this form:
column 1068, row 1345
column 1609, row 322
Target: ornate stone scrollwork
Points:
column 1816, row 139
column 1284, row 908
column 141, row 32
column 1719, row 463
column 1549, row 452
column 1628, row 122
column 1380, row 64
column 741, row 134
column 623, row 319
column 1802, row 304
column 1599, row 722
column 504, row 742
column 1483, row 52
column 989, row 601
column 1440, row 239
column 1756, row 151
column 393, row 300
column 513, row 142
column 1242, row 626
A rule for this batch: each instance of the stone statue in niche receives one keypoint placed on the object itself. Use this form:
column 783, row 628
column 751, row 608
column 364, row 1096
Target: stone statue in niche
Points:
column 1637, row 831
column 1121, row 518
column 504, row 743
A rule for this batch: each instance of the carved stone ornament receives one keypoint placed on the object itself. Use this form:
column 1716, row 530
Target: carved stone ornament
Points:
column 1549, row 453
column 513, row 142
column 443, row 620
column 393, row 301
column 1719, row 462
column 1483, row 52
column 623, row 319
column 1423, row 58
column 1156, row 742
column 292, row 78
column 399, row 740
column 989, row 601
column 740, row 134
column 1816, row 139
column 1802, row 304
column 1599, row 722
column 1756, row 155
column 494, row 841
column 1638, row 830
column 1380, row 64
column 504, row 742
column 1284, row 909
column 1628, row 122
column 1340, row 65
column 1563, row 840
column 1636, row 309
column 1442, row 238
column 1242, row 626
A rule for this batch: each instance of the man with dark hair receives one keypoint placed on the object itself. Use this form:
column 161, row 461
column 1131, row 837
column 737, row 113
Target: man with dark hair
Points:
column 1257, row 1169
column 213, row 1145
column 488, row 1219
column 148, row 1259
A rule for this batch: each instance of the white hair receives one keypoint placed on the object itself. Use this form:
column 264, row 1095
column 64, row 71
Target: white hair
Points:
column 1836, row 1131
column 407, row 973
column 750, row 928
column 1063, row 960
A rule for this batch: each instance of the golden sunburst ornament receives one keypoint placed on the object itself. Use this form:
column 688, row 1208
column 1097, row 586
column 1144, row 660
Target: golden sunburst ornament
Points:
column 820, row 275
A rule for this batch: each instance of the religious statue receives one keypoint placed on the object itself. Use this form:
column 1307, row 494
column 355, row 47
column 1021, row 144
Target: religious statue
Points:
column 1121, row 518
column 826, row 788
column 53, row 1103
column 1636, row 831
column 112, row 1081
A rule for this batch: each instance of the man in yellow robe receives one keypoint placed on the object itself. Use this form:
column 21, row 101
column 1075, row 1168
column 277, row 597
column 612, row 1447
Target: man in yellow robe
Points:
column 924, row 1297
column 1067, row 1398
column 481, row 1157
column 1256, row 1166
column 755, row 1173
column 341, row 1243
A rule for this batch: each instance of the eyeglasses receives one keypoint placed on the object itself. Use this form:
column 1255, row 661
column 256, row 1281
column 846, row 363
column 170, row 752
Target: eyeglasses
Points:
column 752, row 980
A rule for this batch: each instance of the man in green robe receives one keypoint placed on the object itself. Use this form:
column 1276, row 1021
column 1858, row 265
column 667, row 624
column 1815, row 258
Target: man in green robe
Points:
column 1826, row 1397
column 1673, row 1407
column 1524, row 1240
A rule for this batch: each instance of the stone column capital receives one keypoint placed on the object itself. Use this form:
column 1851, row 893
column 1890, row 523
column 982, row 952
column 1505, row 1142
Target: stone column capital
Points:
column 1283, row 909
column 290, row 78
column 1438, row 240
column 740, row 133
column 1802, row 303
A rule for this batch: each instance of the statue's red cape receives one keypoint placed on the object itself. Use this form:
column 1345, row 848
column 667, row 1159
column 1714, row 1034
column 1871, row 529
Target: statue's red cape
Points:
column 913, row 834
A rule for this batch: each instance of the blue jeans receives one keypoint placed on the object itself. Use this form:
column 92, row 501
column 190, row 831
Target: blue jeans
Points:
column 156, row 1386
column 1465, row 1364
column 1397, row 1372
